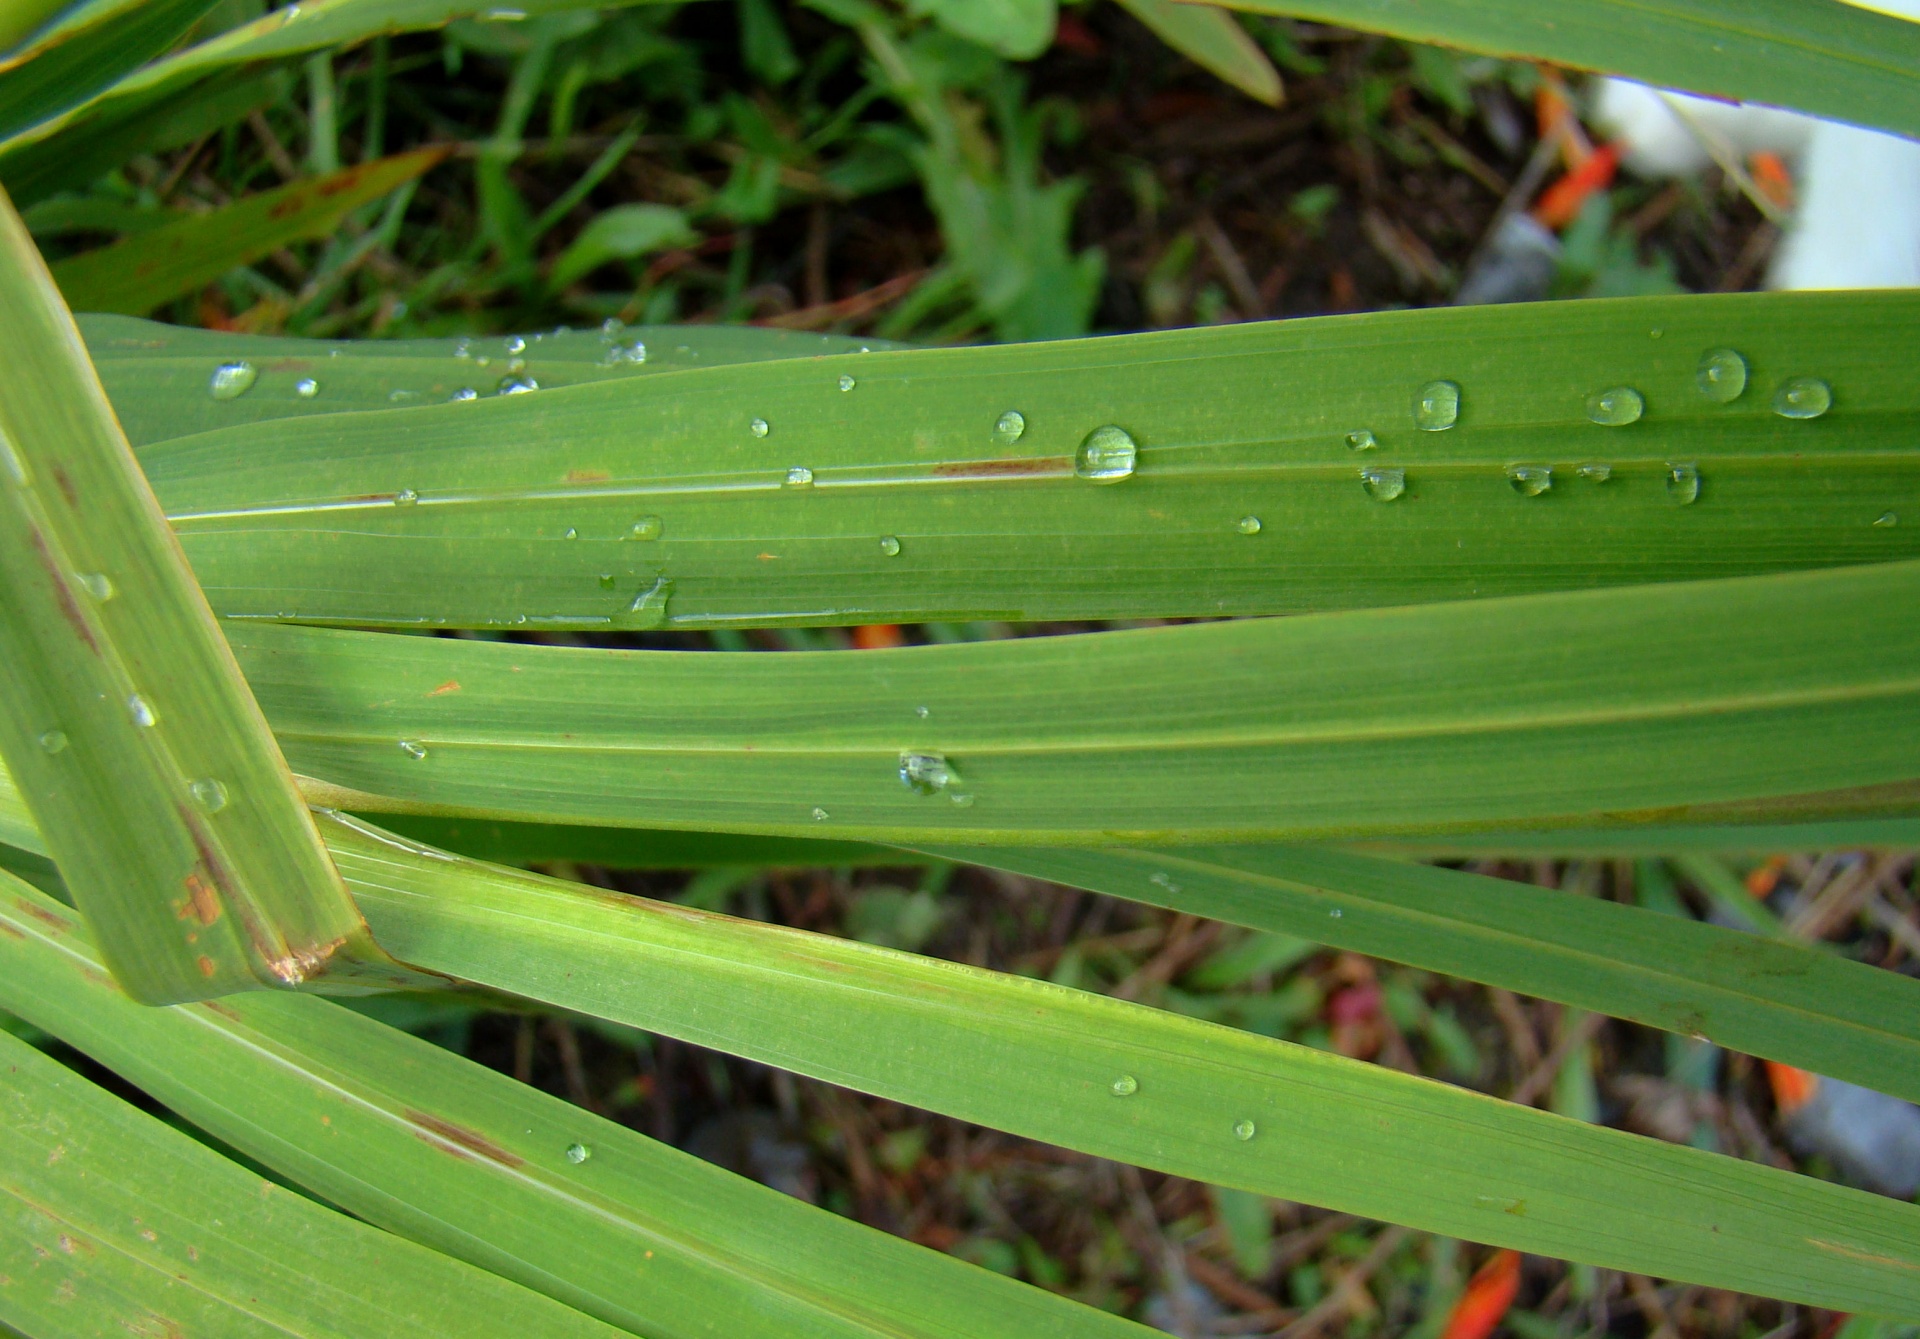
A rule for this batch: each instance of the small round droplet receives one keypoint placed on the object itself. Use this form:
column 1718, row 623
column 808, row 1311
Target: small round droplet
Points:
column 1008, row 428
column 1248, row 525
column 926, row 773
column 1616, row 407
column 1335, row 913
column 647, row 527
column 406, row 497
column 758, row 427
column 516, row 344
column 232, row 380
column 1721, row 375
column 52, row 741
column 1802, row 398
column 571, row 533
column 1886, row 520
column 464, row 393
column 413, row 748
column 921, row 712
column 819, row 815
column 1595, row 473
column 799, row 477
column 1108, row 455
column 97, row 585
column 1383, row 485
column 1126, row 1086
column 141, row 710
column 1683, row 483
column 209, row 794
column 306, row 388
column 578, row 1153
column 515, row 383
column 890, row 545
column 1530, row 480
column 846, row 382
column 1243, row 1130
column 1362, row 439
column 1437, row 407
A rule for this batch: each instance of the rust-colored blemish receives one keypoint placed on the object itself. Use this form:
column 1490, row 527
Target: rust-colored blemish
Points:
column 287, row 207
column 768, row 557
column 224, row 1011
column 12, row 931
column 999, row 469
column 69, row 607
column 450, row 686
column 42, row 915
column 587, row 476
column 300, row 964
column 201, row 903
column 470, row 1140
column 67, row 490
column 369, row 497
column 205, row 964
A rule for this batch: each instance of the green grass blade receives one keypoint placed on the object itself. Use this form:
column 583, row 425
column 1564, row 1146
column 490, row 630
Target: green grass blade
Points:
column 123, row 715
column 508, row 843
column 1822, row 56
column 1195, row 1099
column 1858, row 834
column 139, row 273
column 1646, row 705
column 470, row 1162
column 158, row 376
column 1784, row 1001
column 112, row 1222
column 525, row 508
column 1214, row 40
column 84, row 52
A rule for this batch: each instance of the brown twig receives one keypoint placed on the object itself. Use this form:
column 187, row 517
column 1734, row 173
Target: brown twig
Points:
column 1344, row 1300
column 1541, row 1076
column 854, row 308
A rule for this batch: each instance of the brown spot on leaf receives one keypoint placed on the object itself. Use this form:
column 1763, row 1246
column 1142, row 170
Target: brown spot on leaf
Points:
column 450, row 686
column 587, row 476
column 201, row 903
column 67, row 490
column 471, row 1140
column 224, row 1011
column 69, row 607
column 205, row 964
column 41, row 914
column 1000, row 469
column 12, row 931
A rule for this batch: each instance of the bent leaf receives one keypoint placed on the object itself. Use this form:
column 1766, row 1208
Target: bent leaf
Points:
column 1213, row 39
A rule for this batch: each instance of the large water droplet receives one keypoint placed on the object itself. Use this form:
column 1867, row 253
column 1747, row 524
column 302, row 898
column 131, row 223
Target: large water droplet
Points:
column 578, row 1153
column 890, row 545
column 571, row 533
column 1383, row 485
column 516, row 344
column 1007, row 429
column 846, row 382
column 406, row 497
column 1243, row 1130
column 926, row 773
column 516, row 383
column 799, row 477
column 1125, row 1086
column 209, row 794
column 647, row 527
column 758, row 427
column 1248, row 525
column 1683, row 483
column 1530, row 480
column 413, row 748
column 1802, row 397
column 52, row 741
column 97, row 585
column 1721, row 375
column 1437, row 407
column 232, row 380
column 649, row 607
column 306, row 388
column 1886, row 520
column 1108, row 455
column 819, row 814
column 141, row 710
column 1616, row 407
column 1595, row 473
column 1362, row 440
column 464, row 393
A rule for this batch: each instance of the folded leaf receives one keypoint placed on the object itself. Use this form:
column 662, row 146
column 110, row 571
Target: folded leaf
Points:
column 1213, row 39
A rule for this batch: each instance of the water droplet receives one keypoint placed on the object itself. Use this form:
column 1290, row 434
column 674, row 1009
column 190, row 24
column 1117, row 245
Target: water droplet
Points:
column 1802, row 397
column 1383, row 485
column 1530, row 480
column 921, row 712
column 463, row 347
column 1335, row 913
column 515, row 344
column 635, row 352
column 1009, row 427
column 799, row 477
column 606, row 581
column 1595, row 474
column 758, row 427
column 846, row 382
column 961, row 800
column 1886, row 520
column 1721, row 375
column 926, row 773
column 1362, row 440
column 571, row 533
column 1248, row 525
column 1126, row 1086
column 578, row 1153
column 819, row 815
column 612, row 326
column 1683, row 483
column 516, row 364
column 1616, row 407
column 1437, row 407
column 141, row 711
column 209, row 794
column 890, row 545
column 52, row 741
column 1243, row 1130
column 649, row 607
column 406, row 497
column 97, row 585
column 465, row 393
column 401, row 396
column 515, row 384
column 481, row 360
column 647, row 527
column 413, row 748
column 232, row 380
column 306, row 388
column 1108, row 455
column 1162, row 879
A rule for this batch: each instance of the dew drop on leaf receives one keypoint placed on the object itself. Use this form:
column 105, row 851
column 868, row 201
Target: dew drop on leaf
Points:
column 1248, row 525
column 1595, row 474
column 1721, row 375
column 1802, row 398
column 52, row 741
column 209, row 794
column 890, row 546
column 1362, row 440
column 926, row 773
column 1437, row 407
column 799, row 477
column 97, row 585
column 413, row 748
column 578, row 1153
column 846, row 382
column 232, row 380
column 758, row 427
column 1126, row 1086
column 1530, row 480
column 1616, row 407
column 1383, row 485
column 464, row 393
column 1243, row 1130
column 306, row 388
column 646, row 527
column 1108, row 455
column 1009, row 427
column 1683, row 483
